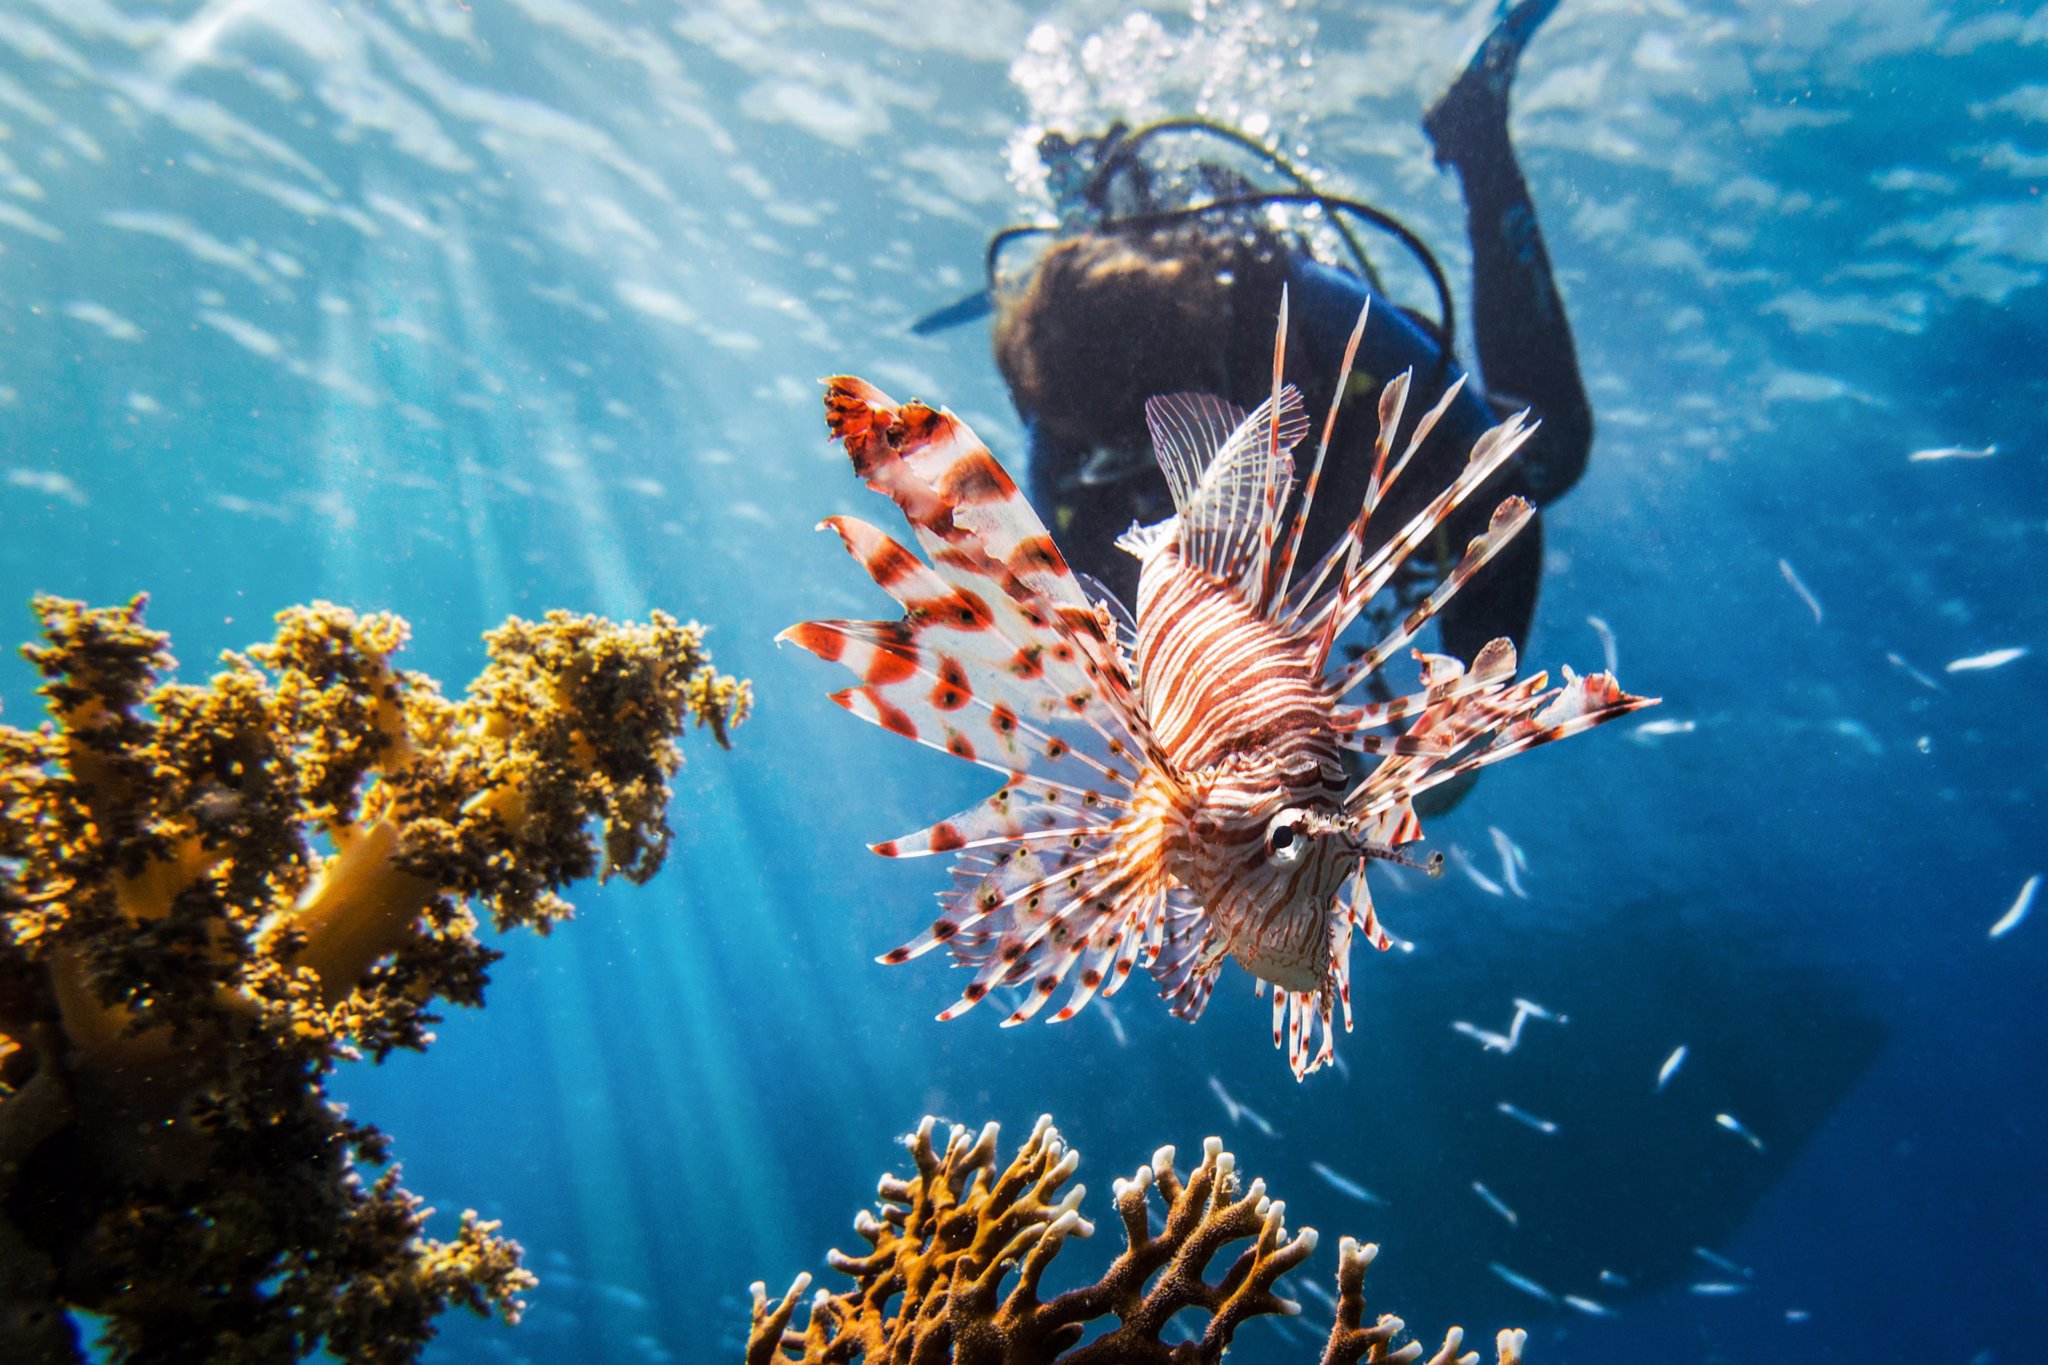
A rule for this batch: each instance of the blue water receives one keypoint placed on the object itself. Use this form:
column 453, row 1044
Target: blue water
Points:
column 462, row 311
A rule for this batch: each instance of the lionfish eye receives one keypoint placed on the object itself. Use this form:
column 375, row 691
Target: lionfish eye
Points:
column 1284, row 839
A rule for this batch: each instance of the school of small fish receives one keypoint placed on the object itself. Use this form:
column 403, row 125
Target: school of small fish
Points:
column 1180, row 800
column 1506, row 1042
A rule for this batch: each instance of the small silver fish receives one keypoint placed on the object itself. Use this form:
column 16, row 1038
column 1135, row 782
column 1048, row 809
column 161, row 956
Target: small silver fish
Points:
column 1671, row 1065
column 1589, row 1307
column 1230, row 1106
column 1720, row 1262
column 1494, row 1202
column 1344, row 1184
column 1898, row 661
column 1471, row 870
column 1522, row 1282
column 1525, row 1117
column 1116, row 1025
column 1797, row 1315
column 1952, row 453
column 1488, row 1039
column 1995, row 658
column 1609, row 1277
column 1734, row 1125
column 1507, row 1042
column 2011, row 918
column 1658, row 729
column 1799, row 586
column 1512, row 860
column 1238, row 1109
column 1719, row 1289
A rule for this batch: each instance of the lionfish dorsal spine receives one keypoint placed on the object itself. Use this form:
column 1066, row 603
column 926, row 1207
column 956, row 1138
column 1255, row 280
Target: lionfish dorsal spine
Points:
column 1283, row 572
column 1507, row 522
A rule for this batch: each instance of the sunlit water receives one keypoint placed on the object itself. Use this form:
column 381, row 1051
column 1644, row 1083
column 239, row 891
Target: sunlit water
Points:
column 463, row 310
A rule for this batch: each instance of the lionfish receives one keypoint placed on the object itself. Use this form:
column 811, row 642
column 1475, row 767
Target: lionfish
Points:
column 1174, row 787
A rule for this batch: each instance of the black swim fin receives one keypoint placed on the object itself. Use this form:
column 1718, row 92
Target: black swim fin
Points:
column 977, row 305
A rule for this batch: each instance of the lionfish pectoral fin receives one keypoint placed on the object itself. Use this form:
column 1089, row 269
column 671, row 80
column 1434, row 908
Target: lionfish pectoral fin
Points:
column 1189, row 957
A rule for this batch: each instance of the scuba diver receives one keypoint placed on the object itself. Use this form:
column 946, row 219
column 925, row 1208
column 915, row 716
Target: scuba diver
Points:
column 1165, row 275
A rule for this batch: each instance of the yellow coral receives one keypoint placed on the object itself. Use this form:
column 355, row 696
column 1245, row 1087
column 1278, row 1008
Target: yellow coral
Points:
column 211, row 894
column 947, row 1237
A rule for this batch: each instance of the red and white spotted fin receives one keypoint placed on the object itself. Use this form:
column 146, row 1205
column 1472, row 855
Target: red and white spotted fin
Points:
column 945, row 480
column 995, row 621
column 1067, row 653
column 1038, row 930
column 991, row 894
column 1112, row 954
column 1295, row 1017
column 1039, row 659
column 1187, row 960
column 1024, row 810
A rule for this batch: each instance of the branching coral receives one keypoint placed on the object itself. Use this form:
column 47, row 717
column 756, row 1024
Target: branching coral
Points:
column 928, row 1291
column 211, row 895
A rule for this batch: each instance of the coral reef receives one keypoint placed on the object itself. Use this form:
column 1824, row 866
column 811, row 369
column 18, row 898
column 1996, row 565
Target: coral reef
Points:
column 928, row 1291
column 212, row 895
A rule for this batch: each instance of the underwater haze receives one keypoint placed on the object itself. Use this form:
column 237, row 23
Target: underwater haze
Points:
column 468, row 309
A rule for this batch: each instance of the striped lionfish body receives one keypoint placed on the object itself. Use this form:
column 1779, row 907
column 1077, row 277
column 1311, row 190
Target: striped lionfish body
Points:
column 1173, row 794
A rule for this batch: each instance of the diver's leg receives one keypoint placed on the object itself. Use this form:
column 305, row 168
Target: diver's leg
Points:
column 1525, row 341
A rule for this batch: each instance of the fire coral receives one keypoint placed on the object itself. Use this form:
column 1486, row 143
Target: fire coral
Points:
column 928, row 1290
column 211, row 895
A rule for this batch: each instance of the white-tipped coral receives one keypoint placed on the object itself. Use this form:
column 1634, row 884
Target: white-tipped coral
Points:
column 947, row 1238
